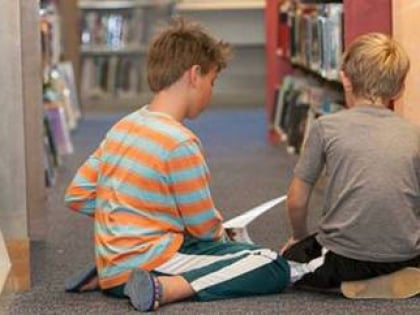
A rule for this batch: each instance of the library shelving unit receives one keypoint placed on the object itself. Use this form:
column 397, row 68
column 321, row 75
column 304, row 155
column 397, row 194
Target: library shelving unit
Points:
column 358, row 17
column 60, row 98
column 241, row 23
column 114, row 36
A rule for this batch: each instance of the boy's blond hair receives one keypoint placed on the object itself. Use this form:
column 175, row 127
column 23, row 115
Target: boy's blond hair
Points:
column 376, row 65
column 179, row 47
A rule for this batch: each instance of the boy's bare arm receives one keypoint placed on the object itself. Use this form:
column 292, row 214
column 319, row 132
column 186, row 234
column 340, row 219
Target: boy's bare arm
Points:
column 81, row 194
column 297, row 207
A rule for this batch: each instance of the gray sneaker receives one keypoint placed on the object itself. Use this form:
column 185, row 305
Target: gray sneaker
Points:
column 143, row 290
column 401, row 284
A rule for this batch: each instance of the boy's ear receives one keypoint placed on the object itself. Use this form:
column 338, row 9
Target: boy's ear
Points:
column 194, row 73
column 346, row 82
column 399, row 93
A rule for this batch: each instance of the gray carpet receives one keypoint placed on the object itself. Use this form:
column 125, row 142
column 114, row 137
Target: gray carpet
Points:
column 245, row 171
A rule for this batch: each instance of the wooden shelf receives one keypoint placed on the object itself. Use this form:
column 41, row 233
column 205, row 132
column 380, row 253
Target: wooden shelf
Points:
column 220, row 5
column 119, row 5
column 105, row 50
column 315, row 73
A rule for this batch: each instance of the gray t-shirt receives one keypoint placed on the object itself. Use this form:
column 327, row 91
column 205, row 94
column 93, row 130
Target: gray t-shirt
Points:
column 372, row 200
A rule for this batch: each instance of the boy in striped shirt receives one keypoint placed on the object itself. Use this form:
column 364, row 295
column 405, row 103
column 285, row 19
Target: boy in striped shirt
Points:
column 158, row 236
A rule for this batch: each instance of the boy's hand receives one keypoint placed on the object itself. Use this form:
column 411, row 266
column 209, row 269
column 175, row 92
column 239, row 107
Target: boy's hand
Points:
column 290, row 242
column 230, row 234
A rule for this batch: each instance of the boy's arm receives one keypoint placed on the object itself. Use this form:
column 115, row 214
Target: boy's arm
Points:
column 81, row 194
column 189, row 183
column 307, row 171
column 297, row 208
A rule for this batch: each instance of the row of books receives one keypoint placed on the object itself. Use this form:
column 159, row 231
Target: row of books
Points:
column 312, row 36
column 116, row 75
column 61, row 116
column 298, row 101
column 117, row 29
column 111, row 29
column 60, row 97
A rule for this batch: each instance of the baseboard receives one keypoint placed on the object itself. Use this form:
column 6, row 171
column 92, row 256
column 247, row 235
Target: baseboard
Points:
column 20, row 274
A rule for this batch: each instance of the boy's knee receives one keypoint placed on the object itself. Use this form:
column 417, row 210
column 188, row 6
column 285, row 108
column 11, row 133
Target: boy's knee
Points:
column 279, row 277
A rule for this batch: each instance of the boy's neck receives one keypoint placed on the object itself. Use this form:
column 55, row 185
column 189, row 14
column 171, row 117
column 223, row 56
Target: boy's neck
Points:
column 169, row 102
column 360, row 101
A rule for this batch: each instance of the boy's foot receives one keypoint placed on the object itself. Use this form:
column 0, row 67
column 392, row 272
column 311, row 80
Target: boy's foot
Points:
column 85, row 280
column 144, row 290
column 401, row 284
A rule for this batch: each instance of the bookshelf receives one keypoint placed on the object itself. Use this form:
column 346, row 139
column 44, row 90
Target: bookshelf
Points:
column 358, row 17
column 240, row 22
column 114, row 36
column 60, row 98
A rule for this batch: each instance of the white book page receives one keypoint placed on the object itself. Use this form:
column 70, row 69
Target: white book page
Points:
column 236, row 227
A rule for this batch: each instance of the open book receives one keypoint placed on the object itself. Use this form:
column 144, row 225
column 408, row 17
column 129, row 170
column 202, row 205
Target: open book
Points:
column 236, row 228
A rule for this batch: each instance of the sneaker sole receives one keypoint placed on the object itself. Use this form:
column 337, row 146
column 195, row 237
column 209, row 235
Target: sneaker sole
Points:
column 401, row 284
column 140, row 290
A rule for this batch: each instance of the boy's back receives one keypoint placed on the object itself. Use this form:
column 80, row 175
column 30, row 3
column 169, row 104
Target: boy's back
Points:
column 372, row 196
column 371, row 221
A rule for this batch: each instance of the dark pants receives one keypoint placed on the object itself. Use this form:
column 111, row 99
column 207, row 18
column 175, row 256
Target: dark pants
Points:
column 336, row 268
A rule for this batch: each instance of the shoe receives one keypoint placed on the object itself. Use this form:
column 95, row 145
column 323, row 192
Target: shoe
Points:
column 75, row 283
column 401, row 284
column 143, row 290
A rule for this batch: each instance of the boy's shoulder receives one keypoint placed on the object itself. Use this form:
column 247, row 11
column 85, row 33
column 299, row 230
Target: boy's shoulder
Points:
column 334, row 117
column 156, row 125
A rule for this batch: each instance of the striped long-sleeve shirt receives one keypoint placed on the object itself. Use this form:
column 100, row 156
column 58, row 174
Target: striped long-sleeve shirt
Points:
column 146, row 187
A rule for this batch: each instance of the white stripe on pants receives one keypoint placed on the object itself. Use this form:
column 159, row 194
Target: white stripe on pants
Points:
column 180, row 263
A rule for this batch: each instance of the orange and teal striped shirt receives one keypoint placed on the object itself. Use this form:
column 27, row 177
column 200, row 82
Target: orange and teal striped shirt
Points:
column 146, row 185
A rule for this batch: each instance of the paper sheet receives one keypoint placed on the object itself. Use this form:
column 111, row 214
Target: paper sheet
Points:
column 236, row 227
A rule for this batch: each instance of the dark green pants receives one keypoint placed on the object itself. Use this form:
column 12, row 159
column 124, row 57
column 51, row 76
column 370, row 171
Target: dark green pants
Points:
column 221, row 270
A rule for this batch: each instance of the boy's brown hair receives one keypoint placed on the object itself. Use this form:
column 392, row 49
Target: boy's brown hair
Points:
column 376, row 65
column 179, row 47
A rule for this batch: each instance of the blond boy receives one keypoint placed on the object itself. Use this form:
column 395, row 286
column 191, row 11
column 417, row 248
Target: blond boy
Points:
column 158, row 235
column 370, row 225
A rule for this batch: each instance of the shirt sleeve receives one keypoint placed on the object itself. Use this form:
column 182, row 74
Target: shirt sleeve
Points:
column 189, row 183
column 312, row 158
column 80, row 196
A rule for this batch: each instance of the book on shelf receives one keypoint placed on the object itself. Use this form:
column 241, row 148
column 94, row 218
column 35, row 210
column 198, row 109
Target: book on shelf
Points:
column 59, row 129
column 110, row 29
column 316, row 38
column 298, row 112
column 114, row 40
column 111, row 76
column 66, row 70
column 51, row 157
column 279, row 104
column 61, row 86
column 299, row 101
